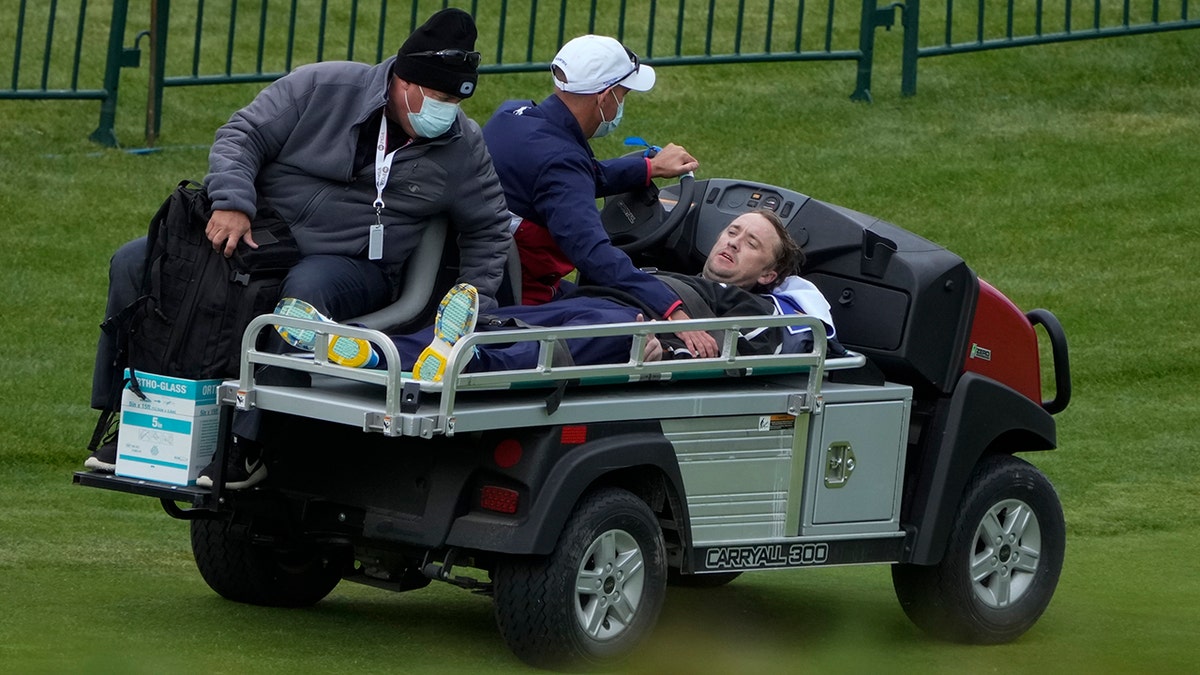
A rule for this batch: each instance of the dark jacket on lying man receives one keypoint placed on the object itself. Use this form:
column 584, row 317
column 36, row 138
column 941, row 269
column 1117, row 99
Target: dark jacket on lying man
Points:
column 703, row 299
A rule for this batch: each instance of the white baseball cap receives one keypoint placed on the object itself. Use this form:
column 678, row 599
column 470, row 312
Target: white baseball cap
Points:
column 593, row 63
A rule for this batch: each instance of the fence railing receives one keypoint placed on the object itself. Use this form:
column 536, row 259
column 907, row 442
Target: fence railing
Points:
column 978, row 25
column 205, row 42
column 200, row 43
column 59, row 44
column 51, row 43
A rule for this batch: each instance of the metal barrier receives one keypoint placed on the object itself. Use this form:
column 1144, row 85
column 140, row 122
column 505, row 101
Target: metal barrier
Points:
column 195, row 44
column 978, row 25
column 202, row 42
column 55, row 76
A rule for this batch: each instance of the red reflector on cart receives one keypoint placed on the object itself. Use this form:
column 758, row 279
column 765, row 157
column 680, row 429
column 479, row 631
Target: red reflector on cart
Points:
column 507, row 453
column 498, row 499
column 574, row 435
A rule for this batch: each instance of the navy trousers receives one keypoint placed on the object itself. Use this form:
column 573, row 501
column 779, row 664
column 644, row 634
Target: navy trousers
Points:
column 579, row 311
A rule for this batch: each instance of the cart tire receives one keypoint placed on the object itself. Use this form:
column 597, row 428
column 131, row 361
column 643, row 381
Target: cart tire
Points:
column 260, row 574
column 1002, row 561
column 596, row 596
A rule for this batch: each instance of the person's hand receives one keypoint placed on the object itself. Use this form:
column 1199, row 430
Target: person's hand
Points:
column 226, row 228
column 672, row 161
column 653, row 351
column 699, row 343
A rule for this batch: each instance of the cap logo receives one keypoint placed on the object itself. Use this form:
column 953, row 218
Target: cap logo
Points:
column 466, row 88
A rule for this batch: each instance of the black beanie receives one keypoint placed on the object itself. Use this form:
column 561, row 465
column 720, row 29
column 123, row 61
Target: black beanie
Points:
column 448, row 29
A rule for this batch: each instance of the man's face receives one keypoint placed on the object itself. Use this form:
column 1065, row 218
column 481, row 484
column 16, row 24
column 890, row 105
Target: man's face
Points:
column 745, row 253
column 405, row 97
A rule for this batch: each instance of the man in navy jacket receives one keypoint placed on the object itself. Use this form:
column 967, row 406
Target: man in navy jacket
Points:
column 551, row 178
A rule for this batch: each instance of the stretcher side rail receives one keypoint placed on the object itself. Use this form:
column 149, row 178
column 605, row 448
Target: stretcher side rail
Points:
column 635, row 369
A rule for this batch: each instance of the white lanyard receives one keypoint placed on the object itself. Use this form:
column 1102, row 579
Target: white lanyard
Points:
column 383, row 167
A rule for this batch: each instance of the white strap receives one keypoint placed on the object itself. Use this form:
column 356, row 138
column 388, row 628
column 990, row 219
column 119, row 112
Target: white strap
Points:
column 383, row 163
column 383, row 169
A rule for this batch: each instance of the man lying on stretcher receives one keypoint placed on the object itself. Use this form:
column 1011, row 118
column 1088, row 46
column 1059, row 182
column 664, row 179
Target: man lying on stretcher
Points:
column 752, row 270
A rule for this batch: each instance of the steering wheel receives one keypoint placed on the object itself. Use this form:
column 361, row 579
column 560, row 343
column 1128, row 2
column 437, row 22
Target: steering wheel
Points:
column 637, row 222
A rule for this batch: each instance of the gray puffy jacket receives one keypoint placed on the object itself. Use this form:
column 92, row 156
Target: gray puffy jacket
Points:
column 292, row 148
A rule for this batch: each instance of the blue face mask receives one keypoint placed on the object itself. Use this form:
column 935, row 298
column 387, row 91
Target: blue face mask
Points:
column 606, row 126
column 435, row 117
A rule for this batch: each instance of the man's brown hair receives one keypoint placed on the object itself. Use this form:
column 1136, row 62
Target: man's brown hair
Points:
column 789, row 259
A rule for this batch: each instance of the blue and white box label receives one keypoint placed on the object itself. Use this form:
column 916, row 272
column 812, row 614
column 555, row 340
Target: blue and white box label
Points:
column 172, row 433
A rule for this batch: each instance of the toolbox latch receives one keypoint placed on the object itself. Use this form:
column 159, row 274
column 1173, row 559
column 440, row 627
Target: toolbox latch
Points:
column 839, row 464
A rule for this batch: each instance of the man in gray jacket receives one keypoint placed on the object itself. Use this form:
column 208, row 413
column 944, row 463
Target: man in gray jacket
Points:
column 356, row 159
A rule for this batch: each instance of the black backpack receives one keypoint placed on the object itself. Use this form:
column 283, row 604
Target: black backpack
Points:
column 195, row 303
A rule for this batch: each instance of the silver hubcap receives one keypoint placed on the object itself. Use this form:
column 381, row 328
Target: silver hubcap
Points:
column 1008, row 544
column 609, row 585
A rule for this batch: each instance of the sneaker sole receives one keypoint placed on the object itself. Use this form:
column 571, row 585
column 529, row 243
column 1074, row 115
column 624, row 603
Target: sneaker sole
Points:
column 430, row 365
column 456, row 317
column 344, row 351
column 98, row 465
column 457, row 313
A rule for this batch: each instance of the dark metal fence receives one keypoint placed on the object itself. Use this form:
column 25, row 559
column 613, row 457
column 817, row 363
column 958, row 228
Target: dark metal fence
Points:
column 221, row 41
column 204, row 42
column 978, row 25
column 51, row 42
column 57, row 44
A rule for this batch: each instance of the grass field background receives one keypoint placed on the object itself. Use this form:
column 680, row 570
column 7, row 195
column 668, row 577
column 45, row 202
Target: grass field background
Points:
column 1066, row 175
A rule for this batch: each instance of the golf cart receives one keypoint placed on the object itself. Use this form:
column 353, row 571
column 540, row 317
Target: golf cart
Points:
column 577, row 494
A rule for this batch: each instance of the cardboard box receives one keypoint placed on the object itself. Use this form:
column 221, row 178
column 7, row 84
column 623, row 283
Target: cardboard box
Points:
column 170, row 435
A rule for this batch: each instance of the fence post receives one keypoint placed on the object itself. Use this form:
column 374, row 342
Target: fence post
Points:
column 160, row 12
column 104, row 133
column 872, row 18
column 910, row 18
column 866, row 49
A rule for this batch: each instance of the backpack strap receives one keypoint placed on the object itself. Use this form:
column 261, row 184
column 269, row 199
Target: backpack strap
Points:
column 119, row 326
column 105, row 429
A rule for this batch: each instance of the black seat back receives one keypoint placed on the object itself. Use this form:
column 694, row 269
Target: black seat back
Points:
column 902, row 300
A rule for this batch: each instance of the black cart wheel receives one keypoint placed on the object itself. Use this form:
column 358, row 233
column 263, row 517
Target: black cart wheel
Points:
column 1002, row 561
column 261, row 574
column 592, row 600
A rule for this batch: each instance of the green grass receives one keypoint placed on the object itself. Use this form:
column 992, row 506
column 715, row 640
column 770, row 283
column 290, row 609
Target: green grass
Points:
column 1065, row 175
